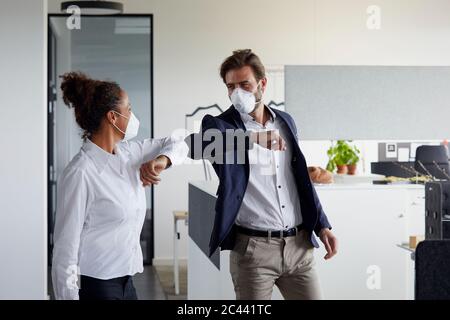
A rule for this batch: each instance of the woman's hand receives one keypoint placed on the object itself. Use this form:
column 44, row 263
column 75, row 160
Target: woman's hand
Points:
column 150, row 171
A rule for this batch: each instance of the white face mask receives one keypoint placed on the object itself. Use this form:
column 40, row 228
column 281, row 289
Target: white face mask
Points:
column 132, row 126
column 243, row 101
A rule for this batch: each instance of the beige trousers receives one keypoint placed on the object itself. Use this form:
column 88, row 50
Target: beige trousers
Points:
column 257, row 264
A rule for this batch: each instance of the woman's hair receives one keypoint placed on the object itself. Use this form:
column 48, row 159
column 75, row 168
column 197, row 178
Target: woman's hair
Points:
column 90, row 98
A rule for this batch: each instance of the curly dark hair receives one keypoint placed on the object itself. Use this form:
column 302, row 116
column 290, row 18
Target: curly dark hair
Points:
column 90, row 98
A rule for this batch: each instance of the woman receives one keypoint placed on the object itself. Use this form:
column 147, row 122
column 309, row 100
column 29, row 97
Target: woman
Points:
column 101, row 201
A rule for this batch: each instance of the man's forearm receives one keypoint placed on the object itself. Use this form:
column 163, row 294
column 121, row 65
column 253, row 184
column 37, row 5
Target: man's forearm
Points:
column 214, row 144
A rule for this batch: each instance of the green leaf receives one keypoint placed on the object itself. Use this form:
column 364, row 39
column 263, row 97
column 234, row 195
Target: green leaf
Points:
column 342, row 153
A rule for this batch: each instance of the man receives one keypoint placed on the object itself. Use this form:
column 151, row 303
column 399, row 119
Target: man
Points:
column 267, row 208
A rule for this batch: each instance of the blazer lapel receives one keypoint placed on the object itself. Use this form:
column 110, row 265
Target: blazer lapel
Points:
column 289, row 123
column 237, row 118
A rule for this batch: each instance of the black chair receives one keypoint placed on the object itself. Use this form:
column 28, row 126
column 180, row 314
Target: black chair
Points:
column 432, row 277
column 433, row 160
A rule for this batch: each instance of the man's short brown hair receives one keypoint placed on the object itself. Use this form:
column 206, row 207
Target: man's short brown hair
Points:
column 242, row 58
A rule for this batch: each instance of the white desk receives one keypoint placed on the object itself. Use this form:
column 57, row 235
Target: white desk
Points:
column 369, row 221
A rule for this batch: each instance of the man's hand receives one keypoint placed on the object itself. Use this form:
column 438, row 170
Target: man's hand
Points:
column 330, row 242
column 150, row 171
column 269, row 139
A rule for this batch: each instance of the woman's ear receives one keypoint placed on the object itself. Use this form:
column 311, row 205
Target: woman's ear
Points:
column 111, row 116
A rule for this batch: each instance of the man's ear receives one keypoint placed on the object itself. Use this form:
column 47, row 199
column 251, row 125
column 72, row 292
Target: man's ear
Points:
column 263, row 84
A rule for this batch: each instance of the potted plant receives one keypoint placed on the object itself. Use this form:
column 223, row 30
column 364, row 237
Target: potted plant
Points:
column 353, row 161
column 343, row 157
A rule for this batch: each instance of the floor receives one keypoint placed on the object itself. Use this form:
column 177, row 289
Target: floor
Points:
column 165, row 275
column 155, row 283
column 148, row 286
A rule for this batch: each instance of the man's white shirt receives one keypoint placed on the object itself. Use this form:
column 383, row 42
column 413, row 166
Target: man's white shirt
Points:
column 271, row 200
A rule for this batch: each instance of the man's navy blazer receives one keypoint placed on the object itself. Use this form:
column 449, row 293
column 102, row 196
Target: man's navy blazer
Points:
column 233, row 180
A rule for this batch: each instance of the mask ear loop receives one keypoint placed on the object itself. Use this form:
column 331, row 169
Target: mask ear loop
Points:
column 121, row 116
column 259, row 101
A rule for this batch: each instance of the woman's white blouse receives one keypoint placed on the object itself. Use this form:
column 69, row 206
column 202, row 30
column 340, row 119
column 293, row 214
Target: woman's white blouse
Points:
column 101, row 208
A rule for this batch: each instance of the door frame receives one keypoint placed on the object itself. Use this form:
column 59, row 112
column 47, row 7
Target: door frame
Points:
column 150, row 249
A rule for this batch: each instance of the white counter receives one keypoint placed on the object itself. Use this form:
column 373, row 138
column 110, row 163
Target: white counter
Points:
column 211, row 186
column 369, row 221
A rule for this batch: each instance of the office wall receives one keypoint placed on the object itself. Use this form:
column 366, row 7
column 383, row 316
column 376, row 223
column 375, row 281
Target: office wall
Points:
column 193, row 37
column 23, row 145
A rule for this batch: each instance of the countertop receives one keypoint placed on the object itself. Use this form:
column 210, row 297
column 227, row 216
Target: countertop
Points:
column 211, row 186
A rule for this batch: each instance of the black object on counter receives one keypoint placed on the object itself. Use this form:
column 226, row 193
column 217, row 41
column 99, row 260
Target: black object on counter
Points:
column 437, row 210
column 395, row 169
column 433, row 160
column 432, row 279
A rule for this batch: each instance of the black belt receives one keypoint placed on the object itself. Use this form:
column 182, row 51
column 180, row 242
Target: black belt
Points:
column 270, row 234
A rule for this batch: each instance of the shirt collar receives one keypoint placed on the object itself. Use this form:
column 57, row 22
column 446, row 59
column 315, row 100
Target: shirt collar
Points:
column 246, row 117
column 100, row 157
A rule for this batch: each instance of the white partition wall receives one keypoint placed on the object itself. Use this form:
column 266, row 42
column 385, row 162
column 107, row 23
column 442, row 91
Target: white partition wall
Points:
column 23, row 136
column 369, row 102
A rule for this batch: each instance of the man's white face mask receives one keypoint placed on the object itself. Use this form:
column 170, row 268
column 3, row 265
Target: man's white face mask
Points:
column 244, row 101
column 132, row 126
